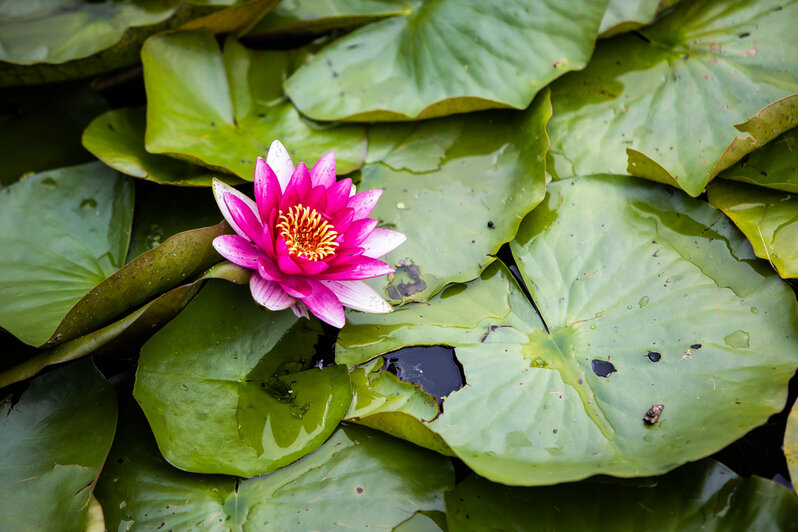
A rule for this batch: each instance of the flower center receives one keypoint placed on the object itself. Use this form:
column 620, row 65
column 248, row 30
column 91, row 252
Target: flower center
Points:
column 307, row 233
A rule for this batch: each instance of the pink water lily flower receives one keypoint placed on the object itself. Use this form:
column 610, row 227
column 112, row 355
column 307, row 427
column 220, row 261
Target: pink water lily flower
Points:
column 307, row 238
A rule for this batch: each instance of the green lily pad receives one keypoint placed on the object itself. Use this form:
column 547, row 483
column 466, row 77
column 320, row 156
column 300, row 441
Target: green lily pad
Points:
column 683, row 99
column 791, row 445
column 703, row 329
column 223, row 111
column 312, row 16
column 383, row 402
column 774, row 165
column 117, row 139
column 241, row 376
column 141, row 323
column 64, row 231
column 359, row 479
column 68, row 39
column 703, row 496
column 768, row 218
column 52, row 444
column 42, row 127
column 475, row 175
column 626, row 15
column 446, row 57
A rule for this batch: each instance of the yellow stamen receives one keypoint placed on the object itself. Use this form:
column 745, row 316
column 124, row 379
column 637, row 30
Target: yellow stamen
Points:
column 306, row 233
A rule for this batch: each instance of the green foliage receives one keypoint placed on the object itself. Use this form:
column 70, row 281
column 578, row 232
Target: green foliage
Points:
column 53, row 442
column 601, row 325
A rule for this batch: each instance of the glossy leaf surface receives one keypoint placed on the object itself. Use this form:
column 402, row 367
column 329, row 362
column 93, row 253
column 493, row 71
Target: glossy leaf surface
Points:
column 684, row 99
column 702, row 496
column 64, row 231
column 358, row 479
column 768, row 218
column 774, row 165
column 117, row 139
column 446, row 57
column 224, row 110
column 52, row 444
column 626, row 15
column 704, row 330
column 475, row 175
column 241, row 376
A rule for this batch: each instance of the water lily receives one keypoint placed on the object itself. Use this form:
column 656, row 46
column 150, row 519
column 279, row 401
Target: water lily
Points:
column 307, row 238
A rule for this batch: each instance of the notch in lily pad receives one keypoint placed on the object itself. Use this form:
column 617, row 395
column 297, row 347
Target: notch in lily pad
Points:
column 435, row 368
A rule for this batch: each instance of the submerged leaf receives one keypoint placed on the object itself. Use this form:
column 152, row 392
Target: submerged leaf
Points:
column 683, row 99
column 446, row 57
column 664, row 339
column 702, row 496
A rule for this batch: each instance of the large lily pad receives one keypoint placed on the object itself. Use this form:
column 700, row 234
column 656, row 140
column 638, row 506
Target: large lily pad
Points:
column 359, row 479
column 52, row 444
column 224, row 111
column 475, row 175
column 774, row 165
column 768, row 218
column 241, row 376
column 683, row 99
column 308, row 16
column 704, row 330
column 64, row 231
column 42, row 127
column 117, row 139
column 446, row 57
column 703, row 496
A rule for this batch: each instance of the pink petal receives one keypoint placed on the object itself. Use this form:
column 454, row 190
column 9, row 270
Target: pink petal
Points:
column 219, row 191
column 300, row 181
column 300, row 310
column 238, row 250
column 359, row 296
column 296, row 287
column 362, row 204
column 323, row 303
column 247, row 220
column 359, row 231
column 289, row 199
column 266, row 242
column 267, row 189
column 338, row 195
column 381, row 241
column 279, row 161
column 269, row 270
column 342, row 220
column 317, row 199
column 268, row 293
column 362, row 268
column 313, row 267
column 323, row 172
